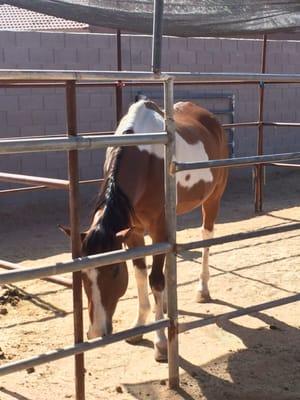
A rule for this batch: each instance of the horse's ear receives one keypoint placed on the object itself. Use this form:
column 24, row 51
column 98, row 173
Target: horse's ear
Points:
column 83, row 236
column 67, row 231
column 140, row 96
column 124, row 234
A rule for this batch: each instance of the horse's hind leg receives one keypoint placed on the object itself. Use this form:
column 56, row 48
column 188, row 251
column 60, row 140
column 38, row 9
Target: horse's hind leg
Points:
column 140, row 270
column 210, row 209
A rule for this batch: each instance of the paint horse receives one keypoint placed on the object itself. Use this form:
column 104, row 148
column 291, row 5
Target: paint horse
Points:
column 131, row 203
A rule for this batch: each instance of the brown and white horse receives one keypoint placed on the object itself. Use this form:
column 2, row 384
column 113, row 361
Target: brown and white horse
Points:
column 131, row 203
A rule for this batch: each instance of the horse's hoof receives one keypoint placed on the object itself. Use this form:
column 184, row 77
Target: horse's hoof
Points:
column 160, row 353
column 202, row 297
column 134, row 339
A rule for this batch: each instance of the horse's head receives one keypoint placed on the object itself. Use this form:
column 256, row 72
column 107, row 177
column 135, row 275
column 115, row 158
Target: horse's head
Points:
column 103, row 286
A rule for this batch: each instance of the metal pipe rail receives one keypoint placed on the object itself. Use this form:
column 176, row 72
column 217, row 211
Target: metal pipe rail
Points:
column 107, row 133
column 34, row 180
column 33, row 188
column 108, row 76
column 87, row 142
column 263, row 123
column 61, row 84
column 94, row 261
column 235, row 162
column 284, row 165
column 186, row 326
column 81, row 347
column 58, row 135
column 232, row 76
column 53, row 279
column 38, row 75
column 282, row 124
column 237, row 237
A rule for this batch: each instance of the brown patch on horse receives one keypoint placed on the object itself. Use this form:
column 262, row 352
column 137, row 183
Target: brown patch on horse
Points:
column 191, row 119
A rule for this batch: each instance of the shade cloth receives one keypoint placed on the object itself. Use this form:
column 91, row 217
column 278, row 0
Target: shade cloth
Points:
column 186, row 18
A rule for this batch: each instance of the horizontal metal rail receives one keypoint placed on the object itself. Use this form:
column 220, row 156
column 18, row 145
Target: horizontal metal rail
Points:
column 186, row 326
column 34, row 180
column 232, row 76
column 234, row 162
column 106, row 133
column 22, row 189
column 108, row 76
column 87, row 142
column 264, row 123
column 33, row 188
column 53, row 279
column 282, row 124
column 57, row 135
column 240, row 124
column 284, row 165
column 229, row 125
column 77, row 75
column 94, row 261
column 81, row 347
column 237, row 237
column 25, row 84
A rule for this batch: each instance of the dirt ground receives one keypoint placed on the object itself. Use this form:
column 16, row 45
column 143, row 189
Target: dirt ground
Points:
column 255, row 357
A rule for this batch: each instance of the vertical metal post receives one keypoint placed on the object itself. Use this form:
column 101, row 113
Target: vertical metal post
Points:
column 170, row 211
column 259, row 169
column 75, row 237
column 232, row 130
column 119, row 89
column 157, row 35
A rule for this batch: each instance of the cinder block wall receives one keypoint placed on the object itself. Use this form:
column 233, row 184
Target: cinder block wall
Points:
column 39, row 111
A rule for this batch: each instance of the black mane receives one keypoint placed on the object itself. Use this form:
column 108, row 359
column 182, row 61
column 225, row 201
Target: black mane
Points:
column 118, row 210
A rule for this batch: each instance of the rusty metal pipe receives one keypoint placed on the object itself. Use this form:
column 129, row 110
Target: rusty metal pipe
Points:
column 53, row 279
column 259, row 169
column 34, row 180
column 119, row 84
column 73, row 171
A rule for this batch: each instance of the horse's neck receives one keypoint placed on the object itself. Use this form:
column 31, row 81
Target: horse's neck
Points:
column 133, row 173
column 135, row 162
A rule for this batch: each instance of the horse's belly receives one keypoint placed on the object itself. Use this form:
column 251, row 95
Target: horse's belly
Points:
column 190, row 198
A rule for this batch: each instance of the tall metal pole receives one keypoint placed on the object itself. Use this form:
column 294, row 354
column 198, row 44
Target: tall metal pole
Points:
column 119, row 88
column 259, row 169
column 170, row 211
column 157, row 35
column 75, row 237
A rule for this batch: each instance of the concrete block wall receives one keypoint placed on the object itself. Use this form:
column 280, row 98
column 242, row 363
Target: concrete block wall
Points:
column 38, row 111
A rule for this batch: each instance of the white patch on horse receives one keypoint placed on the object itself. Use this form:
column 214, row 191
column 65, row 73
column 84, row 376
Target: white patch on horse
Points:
column 204, row 277
column 144, row 304
column 145, row 120
column 98, row 327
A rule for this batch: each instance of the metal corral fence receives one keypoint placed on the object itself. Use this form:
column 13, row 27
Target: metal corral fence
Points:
column 72, row 144
column 118, row 86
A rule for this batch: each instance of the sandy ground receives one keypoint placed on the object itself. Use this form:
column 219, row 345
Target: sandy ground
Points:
column 255, row 357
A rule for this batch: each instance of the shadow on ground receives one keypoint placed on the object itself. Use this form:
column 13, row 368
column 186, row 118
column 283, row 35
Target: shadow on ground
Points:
column 258, row 372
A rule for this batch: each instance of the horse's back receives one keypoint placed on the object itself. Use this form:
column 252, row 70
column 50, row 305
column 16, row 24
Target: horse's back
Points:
column 206, row 140
column 195, row 123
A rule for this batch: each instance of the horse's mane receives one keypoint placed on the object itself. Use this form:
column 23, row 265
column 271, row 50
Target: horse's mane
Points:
column 118, row 210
